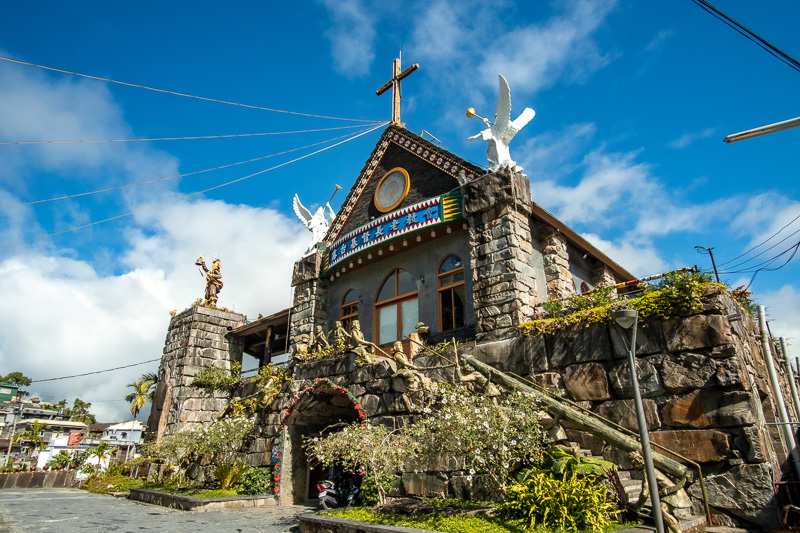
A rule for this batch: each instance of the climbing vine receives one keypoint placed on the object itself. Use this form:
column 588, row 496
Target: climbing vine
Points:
column 677, row 293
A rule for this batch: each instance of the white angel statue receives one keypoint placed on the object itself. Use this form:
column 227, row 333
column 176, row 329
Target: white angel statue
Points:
column 503, row 130
column 318, row 223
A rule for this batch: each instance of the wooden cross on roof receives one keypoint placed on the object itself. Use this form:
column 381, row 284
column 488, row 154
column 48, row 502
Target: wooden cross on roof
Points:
column 394, row 84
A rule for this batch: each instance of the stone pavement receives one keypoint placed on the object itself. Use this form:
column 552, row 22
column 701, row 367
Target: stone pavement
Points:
column 74, row 510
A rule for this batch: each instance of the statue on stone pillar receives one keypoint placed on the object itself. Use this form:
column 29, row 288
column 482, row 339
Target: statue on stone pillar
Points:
column 499, row 134
column 318, row 223
column 213, row 280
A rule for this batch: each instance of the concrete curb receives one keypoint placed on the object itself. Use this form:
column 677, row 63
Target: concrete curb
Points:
column 193, row 503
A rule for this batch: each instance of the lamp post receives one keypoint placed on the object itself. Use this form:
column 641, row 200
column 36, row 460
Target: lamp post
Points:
column 709, row 251
column 627, row 319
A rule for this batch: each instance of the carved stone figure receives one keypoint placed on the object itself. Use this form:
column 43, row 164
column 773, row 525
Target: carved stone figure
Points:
column 475, row 381
column 672, row 494
column 499, row 134
column 407, row 372
column 318, row 223
column 320, row 341
column 359, row 345
column 300, row 350
column 213, row 280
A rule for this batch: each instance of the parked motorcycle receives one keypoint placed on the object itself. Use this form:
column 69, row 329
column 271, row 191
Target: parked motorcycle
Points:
column 343, row 491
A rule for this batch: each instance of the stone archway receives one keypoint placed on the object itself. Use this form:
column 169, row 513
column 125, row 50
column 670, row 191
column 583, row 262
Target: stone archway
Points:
column 320, row 404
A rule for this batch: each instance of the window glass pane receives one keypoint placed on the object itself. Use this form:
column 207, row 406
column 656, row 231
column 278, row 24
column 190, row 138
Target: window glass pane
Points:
column 387, row 291
column 350, row 297
column 451, row 262
column 405, row 283
column 445, row 280
column 410, row 314
column 459, row 276
column 387, row 319
column 446, row 305
column 459, row 299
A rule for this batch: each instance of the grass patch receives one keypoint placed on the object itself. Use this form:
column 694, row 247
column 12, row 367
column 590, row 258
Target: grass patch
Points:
column 214, row 493
column 454, row 524
column 115, row 483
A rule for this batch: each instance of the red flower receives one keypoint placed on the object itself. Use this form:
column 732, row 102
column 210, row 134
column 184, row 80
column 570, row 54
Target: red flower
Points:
column 343, row 391
column 361, row 414
column 296, row 398
column 277, row 490
column 277, row 478
column 357, row 406
column 288, row 413
column 280, row 427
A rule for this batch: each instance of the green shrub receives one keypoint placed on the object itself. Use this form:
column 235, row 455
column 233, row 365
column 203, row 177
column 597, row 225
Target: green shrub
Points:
column 573, row 503
column 560, row 461
column 228, row 474
column 256, row 481
column 105, row 483
column 369, row 492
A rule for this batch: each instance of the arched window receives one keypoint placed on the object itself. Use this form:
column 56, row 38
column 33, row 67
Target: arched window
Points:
column 349, row 311
column 452, row 298
column 396, row 308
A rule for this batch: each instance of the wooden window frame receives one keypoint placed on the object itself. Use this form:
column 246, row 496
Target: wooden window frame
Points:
column 449, row 288
column 346, row 316
column 394, row 300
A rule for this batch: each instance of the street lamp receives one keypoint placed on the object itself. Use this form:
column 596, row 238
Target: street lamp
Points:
column 709, row 251
column 627, row 319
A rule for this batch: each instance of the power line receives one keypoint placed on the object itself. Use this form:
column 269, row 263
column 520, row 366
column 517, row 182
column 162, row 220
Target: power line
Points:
column 181, row 138
column 765, row 251
column 766, row 262
column 95, row 372
column 171, row 177
column 765, row 241
column 181, row 94
column 191, row 194
column 770, row 48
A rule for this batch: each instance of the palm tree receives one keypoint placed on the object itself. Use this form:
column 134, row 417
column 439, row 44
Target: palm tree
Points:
column 32, row 437
column 141, row 393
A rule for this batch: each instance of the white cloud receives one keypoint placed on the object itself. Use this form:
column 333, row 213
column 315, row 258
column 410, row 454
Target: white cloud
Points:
column 688, row 138
column 639, row 258
column 68, row 319
column 352, row 35
column 783, row 312
column 658, row 41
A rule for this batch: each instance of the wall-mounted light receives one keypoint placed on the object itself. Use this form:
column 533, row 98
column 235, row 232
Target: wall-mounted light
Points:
column 433, row 234
column 419, row 238
column 369, row 256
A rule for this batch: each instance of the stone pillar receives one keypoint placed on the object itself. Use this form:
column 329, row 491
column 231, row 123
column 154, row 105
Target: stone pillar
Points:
column 498, row 208
column 309, row 307
column 556, row 264
column 196, row 338
column 602, row 276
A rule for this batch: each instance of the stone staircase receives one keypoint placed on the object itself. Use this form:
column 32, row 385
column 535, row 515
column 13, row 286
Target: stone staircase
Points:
column 633, row 488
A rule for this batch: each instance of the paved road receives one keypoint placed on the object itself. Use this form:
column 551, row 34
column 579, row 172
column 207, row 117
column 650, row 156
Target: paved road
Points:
column 74, row 510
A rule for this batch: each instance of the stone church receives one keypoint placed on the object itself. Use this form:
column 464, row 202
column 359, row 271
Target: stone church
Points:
column 427, row 237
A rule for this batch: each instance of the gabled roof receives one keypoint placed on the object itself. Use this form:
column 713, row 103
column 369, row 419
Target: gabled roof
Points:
column 434, row 155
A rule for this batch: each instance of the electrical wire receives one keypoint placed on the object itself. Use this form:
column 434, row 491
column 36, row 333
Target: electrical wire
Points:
column 192, row 194
column 768, row 47
column 95, row 372
column 181, row 94
column 764, row 251
column 172, row 177
column 182, row 138
column 765, row 241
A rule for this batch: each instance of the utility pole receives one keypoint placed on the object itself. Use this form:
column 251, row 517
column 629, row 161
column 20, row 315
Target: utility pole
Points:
column 709, row 251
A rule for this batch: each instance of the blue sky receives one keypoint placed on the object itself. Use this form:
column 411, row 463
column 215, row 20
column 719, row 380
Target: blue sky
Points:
column 632, row 102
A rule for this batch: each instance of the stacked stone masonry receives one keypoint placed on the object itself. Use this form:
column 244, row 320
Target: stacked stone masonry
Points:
column 498, row 208
column 310, row 297
column 556, row 264
column 197, row 338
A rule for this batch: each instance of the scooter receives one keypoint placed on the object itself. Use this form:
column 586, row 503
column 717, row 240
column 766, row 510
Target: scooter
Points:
column 343, row 491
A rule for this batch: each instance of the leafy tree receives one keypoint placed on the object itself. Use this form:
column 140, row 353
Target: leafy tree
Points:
column 16, row 378
column 143, row 389
column 80, row 412
column 32, row 437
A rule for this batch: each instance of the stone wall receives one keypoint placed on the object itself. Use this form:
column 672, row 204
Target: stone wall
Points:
column 198, row 337
column 705, row 391
column 498, row 207
column 309, row 307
